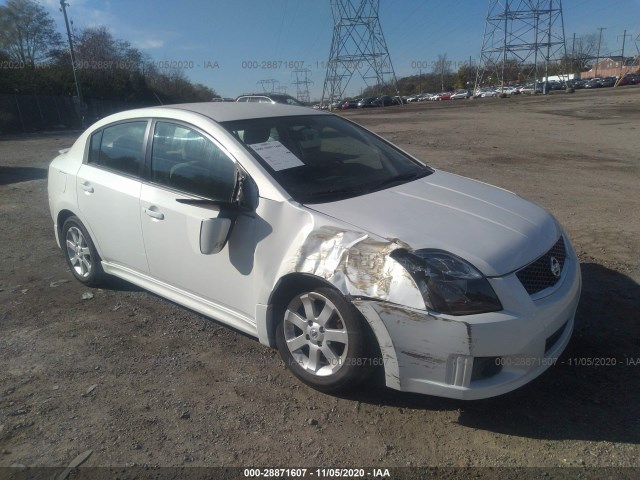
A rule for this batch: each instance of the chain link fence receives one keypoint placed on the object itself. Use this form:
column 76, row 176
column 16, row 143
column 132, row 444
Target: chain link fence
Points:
column 32, row 113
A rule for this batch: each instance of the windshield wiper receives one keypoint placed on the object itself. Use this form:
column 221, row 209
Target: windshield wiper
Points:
column 329, row 193
column 402, row 178
column 363, row 189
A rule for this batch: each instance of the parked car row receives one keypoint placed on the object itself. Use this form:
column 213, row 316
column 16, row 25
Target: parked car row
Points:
column 606, row 81
column 540, row 87
column 482, row 92
column 366, row 102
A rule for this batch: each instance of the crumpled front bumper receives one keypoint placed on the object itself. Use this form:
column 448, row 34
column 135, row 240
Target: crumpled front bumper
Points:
column 476, row 356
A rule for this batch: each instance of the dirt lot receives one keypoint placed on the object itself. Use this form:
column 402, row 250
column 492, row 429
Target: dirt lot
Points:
column 141, row 381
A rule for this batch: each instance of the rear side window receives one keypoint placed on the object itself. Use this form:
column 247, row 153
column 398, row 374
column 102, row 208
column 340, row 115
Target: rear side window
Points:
column 119, row 147
column 184, row 160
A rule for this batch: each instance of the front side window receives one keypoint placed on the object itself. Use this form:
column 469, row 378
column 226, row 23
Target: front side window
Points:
column 183, row 159
column 119, row 147
column 322, row 158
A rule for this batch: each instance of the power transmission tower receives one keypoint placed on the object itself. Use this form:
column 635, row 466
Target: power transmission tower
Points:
column 269, row 85
column 522, row 35
column 358, row 45
column 302, row 83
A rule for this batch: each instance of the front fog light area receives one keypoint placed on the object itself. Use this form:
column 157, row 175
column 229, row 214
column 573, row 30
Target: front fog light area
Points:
column 448, row 284
column 464, row 369
column 485, row 367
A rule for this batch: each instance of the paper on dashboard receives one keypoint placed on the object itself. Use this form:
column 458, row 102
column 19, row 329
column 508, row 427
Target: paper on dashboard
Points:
column 276, row 155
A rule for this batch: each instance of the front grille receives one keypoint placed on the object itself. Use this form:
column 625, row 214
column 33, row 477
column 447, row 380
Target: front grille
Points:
column 537, row 276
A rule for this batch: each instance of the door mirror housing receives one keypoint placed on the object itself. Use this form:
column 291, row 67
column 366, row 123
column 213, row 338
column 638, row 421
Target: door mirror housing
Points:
column 214, row 233
column 247, row 192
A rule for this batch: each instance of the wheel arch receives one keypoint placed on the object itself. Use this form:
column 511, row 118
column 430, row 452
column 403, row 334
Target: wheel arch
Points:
column 295, row 283
column 62, row 217
column 288, row 286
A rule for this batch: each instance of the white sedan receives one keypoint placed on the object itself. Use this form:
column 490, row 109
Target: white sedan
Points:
column 486, row 92
column 460, row 95
column 322, row 240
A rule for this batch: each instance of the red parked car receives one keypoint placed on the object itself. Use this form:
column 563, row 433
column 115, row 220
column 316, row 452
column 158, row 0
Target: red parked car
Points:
column 349, row 104
column 443, row 96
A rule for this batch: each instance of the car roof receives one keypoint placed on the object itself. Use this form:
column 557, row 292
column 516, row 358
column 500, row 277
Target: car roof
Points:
column 229, row 111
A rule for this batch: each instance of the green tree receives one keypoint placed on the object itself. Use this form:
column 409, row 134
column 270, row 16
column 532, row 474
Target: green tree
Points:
column 27, row 32
column 465, row 76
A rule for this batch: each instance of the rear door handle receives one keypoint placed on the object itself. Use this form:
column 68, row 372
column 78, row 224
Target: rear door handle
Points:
column 86, row 186
column 154, row 214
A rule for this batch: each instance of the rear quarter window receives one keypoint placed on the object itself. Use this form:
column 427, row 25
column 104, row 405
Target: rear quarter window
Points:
column 119, row 147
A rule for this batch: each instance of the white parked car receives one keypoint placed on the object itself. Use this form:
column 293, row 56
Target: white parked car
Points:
column 460, row 95
column 511, row 91
column 323, row 240
column 486, row 92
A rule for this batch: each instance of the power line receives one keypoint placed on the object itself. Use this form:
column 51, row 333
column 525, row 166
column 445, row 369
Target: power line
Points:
column 270, row 85
column 284, row 14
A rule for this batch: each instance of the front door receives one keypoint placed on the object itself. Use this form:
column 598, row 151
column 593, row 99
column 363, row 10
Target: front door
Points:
column 187, row 165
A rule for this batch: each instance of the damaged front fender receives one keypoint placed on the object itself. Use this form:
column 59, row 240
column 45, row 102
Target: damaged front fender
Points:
column 357, row 265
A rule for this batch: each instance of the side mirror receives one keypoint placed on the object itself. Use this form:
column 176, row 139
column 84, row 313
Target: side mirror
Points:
column 214, row 233
column 247, row 193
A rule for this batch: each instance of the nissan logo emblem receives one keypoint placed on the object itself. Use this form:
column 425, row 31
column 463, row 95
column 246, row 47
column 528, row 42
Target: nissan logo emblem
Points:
column 555, row 267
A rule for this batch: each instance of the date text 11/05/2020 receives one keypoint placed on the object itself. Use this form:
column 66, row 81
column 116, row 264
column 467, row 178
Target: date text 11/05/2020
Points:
column 571, row 362
column 316, row 472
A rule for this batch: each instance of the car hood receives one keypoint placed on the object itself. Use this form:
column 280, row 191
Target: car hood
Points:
column 494, row 229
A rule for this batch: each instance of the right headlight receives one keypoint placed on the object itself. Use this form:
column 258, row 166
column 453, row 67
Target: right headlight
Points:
column 448, row 284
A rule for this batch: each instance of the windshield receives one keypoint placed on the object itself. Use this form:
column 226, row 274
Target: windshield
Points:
column 323, row 158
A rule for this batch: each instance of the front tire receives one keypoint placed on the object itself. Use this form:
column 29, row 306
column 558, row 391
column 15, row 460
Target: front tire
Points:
column 80, row 253
column 321, row 338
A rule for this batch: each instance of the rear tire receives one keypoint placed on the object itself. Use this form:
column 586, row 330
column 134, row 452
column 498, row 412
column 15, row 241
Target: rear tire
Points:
column 80, row 253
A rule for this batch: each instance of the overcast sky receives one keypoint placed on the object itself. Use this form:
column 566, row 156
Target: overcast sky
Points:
column 231, row 45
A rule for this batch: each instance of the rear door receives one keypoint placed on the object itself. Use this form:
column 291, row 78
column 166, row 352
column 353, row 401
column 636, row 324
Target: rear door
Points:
column 108, row 187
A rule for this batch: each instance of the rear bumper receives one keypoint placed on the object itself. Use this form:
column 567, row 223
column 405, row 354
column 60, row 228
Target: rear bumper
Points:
column 479, row 356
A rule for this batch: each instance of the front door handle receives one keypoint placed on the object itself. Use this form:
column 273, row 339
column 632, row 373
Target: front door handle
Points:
column 154, row 214
column 86, row 186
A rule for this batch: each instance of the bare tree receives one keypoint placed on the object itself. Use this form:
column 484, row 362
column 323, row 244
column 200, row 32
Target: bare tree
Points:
column 583, row 51
column 27, row 32
column 442, row 67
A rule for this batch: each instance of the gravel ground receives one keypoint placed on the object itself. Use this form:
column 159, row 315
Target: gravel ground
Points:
column 139, row 380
